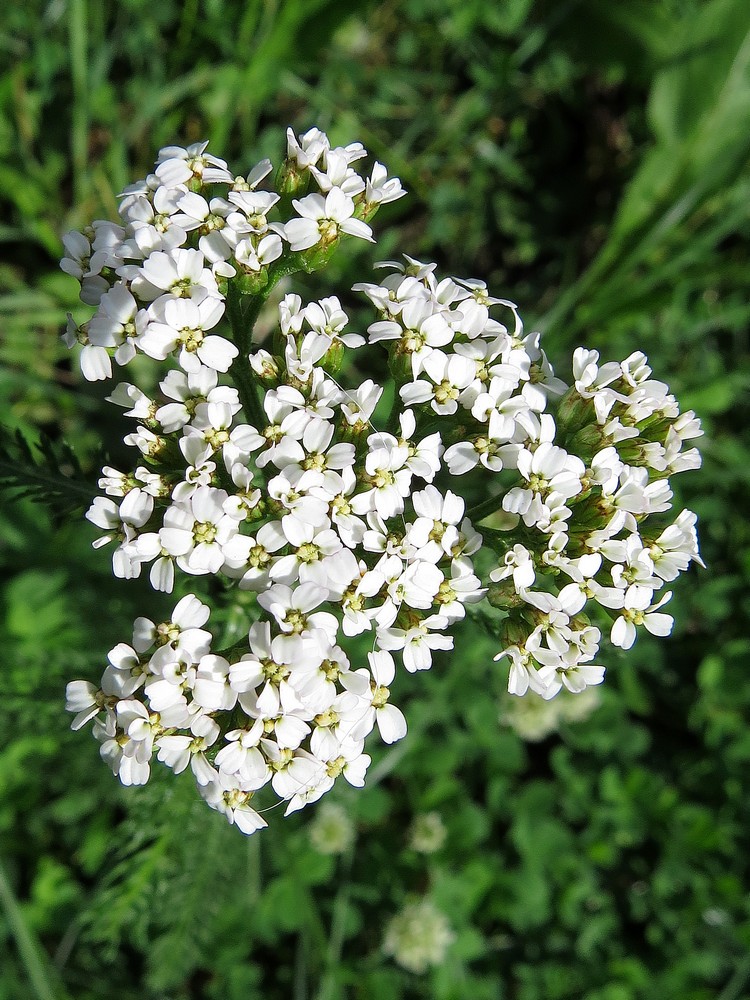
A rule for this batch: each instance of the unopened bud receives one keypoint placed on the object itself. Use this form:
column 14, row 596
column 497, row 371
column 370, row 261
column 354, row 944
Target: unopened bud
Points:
column 333, row 358
column 291, row 180
column 503, row 596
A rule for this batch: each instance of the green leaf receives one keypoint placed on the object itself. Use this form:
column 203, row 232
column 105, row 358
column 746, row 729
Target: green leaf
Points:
column 49, row 473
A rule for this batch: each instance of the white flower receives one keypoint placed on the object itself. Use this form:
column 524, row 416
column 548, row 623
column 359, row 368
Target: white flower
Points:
column 360, row 404
column 464, row 456
column 255, row 206
column 180, row 272
column 197, row 531
column 390, row 720
column 389, row 480
column 290, row 489
column 332, row 830
column 308, row 149
column 154, row 222
column 227, row 795
column 590, row 379
column 450, row 375
column 254, row 255
column 518, row 563
column 183, row 324
column 338, row 173
column 464, row 587
column 120, row 323
column 314, row 556
column 501, row 406
column 85, row 699
column 96, row 364
column 324, row 219
column 640, row 611
column 192, row 392
column 291, row 610
column 435, row 533
column 420, row 330
column 417, row 642
column 380, row 188
column 242, row 757
column 552, row 469
column 136, row 403
column 327, row 317
column 178, row 166
column 120, row 522
column 673, row 550
column 418, row 937
column 523, row 673
column 184, row 632
column 125, row 672
column 570, row 673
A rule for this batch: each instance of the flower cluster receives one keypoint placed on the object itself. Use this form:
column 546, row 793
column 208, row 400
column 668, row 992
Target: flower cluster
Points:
column 276, row 478
column 577, row 483
column 418, row 936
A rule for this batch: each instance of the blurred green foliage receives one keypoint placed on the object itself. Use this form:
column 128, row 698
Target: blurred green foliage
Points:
column 591, row 162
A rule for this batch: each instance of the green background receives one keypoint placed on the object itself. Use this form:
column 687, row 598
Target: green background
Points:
column 590, row 161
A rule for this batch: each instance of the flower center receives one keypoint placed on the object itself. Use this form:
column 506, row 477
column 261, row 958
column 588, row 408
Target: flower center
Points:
column 438, row 530
column 341, row 505
column 383, row 478
column 315, row 461
column 327, row 719
column 411, row 342
column 273, row 671
column 328, row 229
column 182, row 287
column 446, row 392
column 446, row 594
column 285, row 759
column 258, row 557
column 538, row 484
column 296, row 621
column 335, row 767
column 216, row 438
column 331, row 670
column 191, row 339
column 167, row 632
column 235, row 797
column 204, row 531
column 380, row 695
column 308, row 553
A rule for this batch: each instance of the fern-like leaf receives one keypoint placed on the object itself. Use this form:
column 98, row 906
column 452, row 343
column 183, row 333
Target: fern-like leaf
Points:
column 47, row 472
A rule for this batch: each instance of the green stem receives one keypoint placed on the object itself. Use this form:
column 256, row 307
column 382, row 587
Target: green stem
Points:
column 503, row 539
column 243, row 311
column 78, row 51
column 254, row 871
column 29, row 949
column 483, row 509
column 300, row 965
column 338, row 928
column 392, row 423
column 248, row 392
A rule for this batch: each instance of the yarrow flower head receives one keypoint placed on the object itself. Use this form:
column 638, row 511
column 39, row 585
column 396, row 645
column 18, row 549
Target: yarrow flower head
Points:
column 491, row 480
column 419, row 936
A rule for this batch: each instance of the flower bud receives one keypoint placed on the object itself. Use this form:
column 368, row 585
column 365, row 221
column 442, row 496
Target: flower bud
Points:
column 574, row 412
column 503, row 596
column 333, row 359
